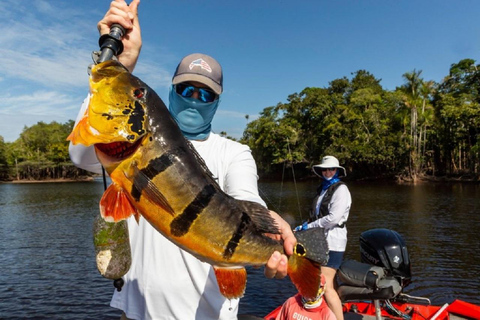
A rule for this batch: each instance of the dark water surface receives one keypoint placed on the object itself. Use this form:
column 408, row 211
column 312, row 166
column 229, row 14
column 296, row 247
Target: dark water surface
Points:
column 48, row 266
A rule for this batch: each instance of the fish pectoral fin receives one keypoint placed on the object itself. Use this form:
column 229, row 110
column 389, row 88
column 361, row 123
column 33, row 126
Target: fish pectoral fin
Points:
column 115, row 205
column 231, row 281
column 144, row 184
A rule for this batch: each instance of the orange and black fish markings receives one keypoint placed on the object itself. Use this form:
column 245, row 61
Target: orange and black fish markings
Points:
column 232, row 245
column 154, row 167
column 182, row 223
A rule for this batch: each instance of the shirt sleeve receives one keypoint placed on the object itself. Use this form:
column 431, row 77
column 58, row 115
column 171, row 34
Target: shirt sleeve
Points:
column 338, row 209
column 81, row 156
column 241, row 178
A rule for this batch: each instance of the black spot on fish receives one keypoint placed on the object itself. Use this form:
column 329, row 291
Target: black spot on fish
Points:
column 182, row 223
column 108, row 116
column 136, row 119
column 131, row 137
column 232, row 245
column 126, row 111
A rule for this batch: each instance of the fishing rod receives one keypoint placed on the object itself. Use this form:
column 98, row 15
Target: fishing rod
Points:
column 110, row 47
column 111, row 43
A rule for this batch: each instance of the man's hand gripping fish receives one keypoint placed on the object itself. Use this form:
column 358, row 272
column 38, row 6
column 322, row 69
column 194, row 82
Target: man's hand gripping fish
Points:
column 157, row 174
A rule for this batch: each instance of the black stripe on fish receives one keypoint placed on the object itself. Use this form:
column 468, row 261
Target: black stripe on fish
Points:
column 154, row 167
column 182, row 223
column 237, row 236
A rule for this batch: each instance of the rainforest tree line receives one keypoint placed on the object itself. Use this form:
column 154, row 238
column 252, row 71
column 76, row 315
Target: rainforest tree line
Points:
column 40, row 153
column 420, row 128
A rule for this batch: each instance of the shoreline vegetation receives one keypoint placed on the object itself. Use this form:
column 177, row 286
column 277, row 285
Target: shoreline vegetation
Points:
column 26, row 181
column 399, row 180
column 420, row 131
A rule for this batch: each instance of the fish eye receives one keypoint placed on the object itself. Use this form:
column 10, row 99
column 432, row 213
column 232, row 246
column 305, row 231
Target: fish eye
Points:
column 139, row 93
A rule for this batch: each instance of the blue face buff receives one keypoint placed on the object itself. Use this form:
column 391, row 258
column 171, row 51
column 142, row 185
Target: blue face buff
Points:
column 327, row 182
column 193, row 116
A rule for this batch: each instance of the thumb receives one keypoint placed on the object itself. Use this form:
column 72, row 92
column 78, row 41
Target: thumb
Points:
column 134, row 10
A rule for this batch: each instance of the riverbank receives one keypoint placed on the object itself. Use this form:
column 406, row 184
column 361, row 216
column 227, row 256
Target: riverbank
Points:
column 82, row 179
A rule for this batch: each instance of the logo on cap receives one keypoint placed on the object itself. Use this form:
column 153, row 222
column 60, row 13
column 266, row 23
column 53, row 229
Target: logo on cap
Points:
column 200, row 63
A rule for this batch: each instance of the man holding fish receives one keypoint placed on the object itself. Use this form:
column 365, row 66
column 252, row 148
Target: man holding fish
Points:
column 165, row 281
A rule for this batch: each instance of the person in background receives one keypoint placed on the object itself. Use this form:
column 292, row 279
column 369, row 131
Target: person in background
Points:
column 164, row 281
column 297, row 307
column 330, row 210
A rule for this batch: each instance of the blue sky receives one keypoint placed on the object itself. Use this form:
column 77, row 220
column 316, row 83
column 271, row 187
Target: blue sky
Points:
column 268, row 49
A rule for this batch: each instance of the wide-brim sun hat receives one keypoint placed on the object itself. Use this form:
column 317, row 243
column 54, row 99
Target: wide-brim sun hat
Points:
column 201, row 68
column 328, row 162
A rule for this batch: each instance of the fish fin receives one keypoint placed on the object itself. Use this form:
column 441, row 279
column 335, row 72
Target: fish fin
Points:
column 145, row 184
column 261, row 218
column 115, row 204
column 310, row 253
column 200, row 160
column 81, row 132
column 231, row 281
column 137, row 217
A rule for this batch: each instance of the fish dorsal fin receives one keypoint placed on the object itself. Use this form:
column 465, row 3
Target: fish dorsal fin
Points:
column 115, row 204
column 261, row 218
column 199, row 160
column 144, row 184
column 231, row 281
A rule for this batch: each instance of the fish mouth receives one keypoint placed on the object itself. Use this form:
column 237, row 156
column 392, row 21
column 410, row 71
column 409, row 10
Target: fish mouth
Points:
column 117, row 151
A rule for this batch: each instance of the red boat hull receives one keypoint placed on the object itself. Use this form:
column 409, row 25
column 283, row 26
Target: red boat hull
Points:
column 461, row 309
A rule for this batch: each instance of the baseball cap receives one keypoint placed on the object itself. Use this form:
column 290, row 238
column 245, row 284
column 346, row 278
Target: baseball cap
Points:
column 201, row 68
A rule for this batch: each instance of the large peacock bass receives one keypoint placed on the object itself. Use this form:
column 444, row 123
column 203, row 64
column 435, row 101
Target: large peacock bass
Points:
column 156, row 173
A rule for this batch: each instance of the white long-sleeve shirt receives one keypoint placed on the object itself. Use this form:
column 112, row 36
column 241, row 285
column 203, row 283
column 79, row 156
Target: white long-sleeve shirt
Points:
column 338, row 211
column 164, row 281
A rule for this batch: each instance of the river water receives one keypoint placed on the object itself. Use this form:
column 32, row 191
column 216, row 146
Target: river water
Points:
column 48, row 267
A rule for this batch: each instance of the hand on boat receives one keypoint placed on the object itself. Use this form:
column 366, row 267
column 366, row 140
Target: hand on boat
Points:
column 304, row 226
column 126, row 16
column 276, row 266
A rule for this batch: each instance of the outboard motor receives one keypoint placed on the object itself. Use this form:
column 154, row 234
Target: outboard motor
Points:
column 387, row 249
column 381, row 276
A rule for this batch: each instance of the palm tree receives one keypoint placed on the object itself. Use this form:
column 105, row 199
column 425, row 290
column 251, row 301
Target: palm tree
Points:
column 411, row 89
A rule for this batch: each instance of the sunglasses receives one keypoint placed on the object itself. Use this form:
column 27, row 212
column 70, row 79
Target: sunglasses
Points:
column 187, row 90
column 329, row 169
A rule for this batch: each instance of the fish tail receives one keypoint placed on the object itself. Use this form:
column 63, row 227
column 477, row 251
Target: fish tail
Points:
column 310, row 253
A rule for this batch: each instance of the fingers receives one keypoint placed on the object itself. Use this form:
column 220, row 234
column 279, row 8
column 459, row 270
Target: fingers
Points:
column 286, row 233
column 276, row 266
column 119, row 12
column 134, row 10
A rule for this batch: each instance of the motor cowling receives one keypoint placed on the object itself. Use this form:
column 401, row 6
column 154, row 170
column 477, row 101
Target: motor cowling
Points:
column 387, row 249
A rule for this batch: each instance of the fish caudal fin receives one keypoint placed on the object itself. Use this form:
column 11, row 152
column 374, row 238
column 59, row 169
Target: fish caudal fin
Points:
column 310, row 253
column 231, row 281
column 115, row 205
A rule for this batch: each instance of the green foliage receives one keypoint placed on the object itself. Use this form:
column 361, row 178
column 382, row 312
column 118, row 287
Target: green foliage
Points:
column 3, row 160
column 40, row 152
column 420, row 127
